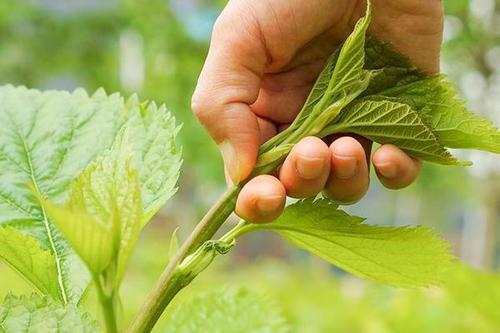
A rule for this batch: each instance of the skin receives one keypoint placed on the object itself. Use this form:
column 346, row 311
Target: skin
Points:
column 263, row 60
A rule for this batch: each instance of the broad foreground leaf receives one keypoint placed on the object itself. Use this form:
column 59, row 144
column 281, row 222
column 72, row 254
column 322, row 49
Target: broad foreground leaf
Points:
column 156, row 154
column 40, row 314
column 404, row 256
column 49, row 138
column 226, row 311
column 389, row 121
column 23, row 253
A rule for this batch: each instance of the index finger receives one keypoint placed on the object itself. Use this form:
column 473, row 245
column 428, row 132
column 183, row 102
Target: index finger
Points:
column 228, row 84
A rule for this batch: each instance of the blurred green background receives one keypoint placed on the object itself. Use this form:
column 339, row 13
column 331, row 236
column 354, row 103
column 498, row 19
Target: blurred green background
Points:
column 156, row 48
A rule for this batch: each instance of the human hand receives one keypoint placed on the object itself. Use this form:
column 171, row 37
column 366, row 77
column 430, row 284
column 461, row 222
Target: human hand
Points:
column 263, row 60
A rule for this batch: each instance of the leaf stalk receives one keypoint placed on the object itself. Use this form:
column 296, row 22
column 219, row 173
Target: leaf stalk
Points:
column 108, row 305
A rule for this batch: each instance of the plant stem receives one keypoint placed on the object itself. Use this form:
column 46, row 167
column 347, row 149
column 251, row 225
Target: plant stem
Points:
column 238, row 231
column 171, row 283
column 108, row 308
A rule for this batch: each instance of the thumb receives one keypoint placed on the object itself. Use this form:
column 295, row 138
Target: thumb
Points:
column 228, row 84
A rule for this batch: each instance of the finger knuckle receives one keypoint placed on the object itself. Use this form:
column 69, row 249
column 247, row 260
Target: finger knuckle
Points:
column 201, row 106
column 218, row 26
column 221, row 24
column 346, row 196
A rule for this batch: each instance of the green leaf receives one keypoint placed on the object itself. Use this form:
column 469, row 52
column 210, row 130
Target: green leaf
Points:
column 109, row 191
column 321, row 84
column 403, row 256
column 434, row 97
column 348, row 78
column 453, row 124
column 351, row 60
column 153, row 133
column 23, row 253
column 49, row 138
column 37, row 314
column 226, row 311
column 314, row 97
column 341, row 81
column 104, row 214
column 389, row 67
column 381, row 55
column 389, row 121
column 91, row 239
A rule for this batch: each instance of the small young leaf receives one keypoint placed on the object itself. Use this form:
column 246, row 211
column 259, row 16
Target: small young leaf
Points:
column 321, row 84
column 351, row 60
column 341, row 74
column 36, row 313
column 404, row 256
column 103, row 216
column 198, row 261
column 23, row 253
column 91, row 239
column 226, row 311
column 388, row 121
column 314, row 97
column 340, row 82
column 173, row 245
column 349, row 79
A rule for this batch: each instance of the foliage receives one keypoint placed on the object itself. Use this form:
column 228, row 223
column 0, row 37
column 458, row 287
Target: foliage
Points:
column 112, row 183
column 227, row 310
column 312, row 299
column 82, row 175
column 24, row 254
column 367, row 88
column 397, row 256
column 37, row 314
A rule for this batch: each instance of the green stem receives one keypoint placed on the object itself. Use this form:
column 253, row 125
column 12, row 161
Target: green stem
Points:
column 108, row 308
column 238, row 231
column 332, row 129
column 171, row 283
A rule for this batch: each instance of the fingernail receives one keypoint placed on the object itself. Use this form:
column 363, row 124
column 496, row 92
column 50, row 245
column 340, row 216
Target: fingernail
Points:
column 230, row 161
column 388, row 169
column 309, row 167
column 229, row 181
column 346, row 167
column 269, row 204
